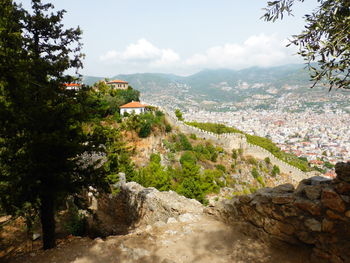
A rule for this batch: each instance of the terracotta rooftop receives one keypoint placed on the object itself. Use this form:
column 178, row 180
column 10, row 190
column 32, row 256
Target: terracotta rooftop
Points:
column 117, row 81
column 72, row 84
column 133, row 104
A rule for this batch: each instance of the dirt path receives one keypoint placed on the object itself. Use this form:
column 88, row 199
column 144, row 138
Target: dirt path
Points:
column 191, row 238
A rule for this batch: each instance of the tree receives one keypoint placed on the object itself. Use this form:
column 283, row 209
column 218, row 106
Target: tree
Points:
column 325, row 40
column 44, row 152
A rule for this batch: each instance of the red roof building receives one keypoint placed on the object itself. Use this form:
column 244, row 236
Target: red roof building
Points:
column 133, row 107
column 118, row 84
column 72, row 86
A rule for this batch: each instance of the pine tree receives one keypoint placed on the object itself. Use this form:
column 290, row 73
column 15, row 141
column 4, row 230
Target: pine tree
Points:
column 43, row 148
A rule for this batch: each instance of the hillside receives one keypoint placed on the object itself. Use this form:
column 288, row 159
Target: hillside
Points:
column 226, row 89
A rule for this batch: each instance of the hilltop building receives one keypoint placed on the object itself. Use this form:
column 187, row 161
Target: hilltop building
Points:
column 72, row 86
column 118, row 84
column 133, row 107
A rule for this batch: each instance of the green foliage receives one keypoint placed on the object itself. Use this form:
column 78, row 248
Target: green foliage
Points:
column 275, row 170
column 214, row 127
column 193, row 136
column 44, row 150
column 256, row 140
column 260, row 180
column 324, row 39
column 255, row 173
column 267, row 160
column 178, row 115
column 328, row 165
column 234, row 154
column 252, row 160
column 206, row 152
column 188, row 157
column 118, row 155
column 76, row 222
column 145, row 123
column 184, row 142
column 154, row 175
column 145, row 130
column 155, row 158
column 221, row 168
column 107, row 101
column 191, row 189
column 168, row 127
column 272, row 148
column 214, row 157
column 233, row 166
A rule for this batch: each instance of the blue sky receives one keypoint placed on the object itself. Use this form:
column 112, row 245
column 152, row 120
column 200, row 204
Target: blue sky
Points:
column 181, row 37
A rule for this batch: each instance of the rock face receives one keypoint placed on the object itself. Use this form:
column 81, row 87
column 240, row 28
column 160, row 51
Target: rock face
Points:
column 136, row 206
column 317, row 214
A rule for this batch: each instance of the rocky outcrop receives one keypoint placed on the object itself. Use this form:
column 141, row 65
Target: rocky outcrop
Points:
column 316, row 214
column 134, row 206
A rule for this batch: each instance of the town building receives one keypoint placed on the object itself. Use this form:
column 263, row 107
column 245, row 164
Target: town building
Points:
column 118, row 84
column 133, row 107
column 72, row 86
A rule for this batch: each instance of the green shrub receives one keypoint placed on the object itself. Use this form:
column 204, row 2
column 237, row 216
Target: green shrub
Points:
column 145, row 130
column 221, row 167
column 214, row 157
column 168, row 128
column 260, row 180
column 275, row 170
column 267, row 160
column 184, row 142
column 76, row 222
column 159, row 113
column 178, row 115
column 214, row 127
column 251, row 160
column 188, row 157
column 234, row 154
column 255, row 173
column 155, row 158
column 193, row 136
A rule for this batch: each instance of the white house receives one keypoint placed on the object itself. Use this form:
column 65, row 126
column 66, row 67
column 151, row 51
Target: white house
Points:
column 133, row 107
column 72, row 86
column 118, row 84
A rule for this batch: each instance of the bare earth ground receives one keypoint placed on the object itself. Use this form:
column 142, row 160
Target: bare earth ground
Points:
column 194, row 239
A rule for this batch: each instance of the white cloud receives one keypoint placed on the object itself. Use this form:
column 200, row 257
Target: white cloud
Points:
column 142, row 51
column 257, row 50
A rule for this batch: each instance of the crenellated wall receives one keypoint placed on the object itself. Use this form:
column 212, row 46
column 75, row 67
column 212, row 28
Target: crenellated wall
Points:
column 231, row 141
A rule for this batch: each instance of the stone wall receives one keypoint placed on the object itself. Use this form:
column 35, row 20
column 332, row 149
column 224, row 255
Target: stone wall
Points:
column 134, row 206
column 316, row 214
column 231, row 141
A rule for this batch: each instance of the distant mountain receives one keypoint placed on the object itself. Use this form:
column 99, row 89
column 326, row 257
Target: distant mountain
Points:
column 207, row 80
column 210, row 86
column 89, row 80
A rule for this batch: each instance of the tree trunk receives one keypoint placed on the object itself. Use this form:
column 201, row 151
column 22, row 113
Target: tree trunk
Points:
column 48, row 222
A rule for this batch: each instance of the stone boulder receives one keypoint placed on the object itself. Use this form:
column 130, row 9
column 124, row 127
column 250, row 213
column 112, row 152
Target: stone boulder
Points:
column 136, row 206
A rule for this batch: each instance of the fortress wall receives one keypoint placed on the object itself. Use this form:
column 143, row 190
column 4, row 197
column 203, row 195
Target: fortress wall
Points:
column 231, row 141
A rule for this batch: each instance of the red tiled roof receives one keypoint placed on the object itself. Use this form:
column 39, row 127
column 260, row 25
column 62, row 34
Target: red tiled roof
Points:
column 117, row 81
column 133, row 104
column 72, row 84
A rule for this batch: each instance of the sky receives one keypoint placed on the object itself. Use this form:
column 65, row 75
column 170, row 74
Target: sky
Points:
column 180, row 37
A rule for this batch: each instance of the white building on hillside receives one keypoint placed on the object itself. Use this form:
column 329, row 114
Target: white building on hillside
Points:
column 133, row 107
column 118, row 84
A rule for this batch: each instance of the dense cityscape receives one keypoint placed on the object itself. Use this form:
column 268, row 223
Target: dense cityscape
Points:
column 311, row 125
